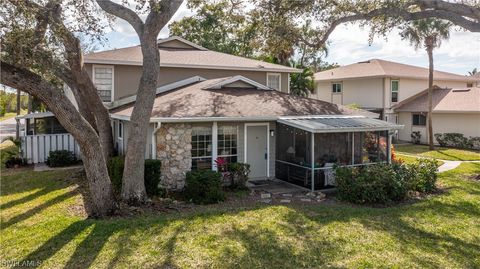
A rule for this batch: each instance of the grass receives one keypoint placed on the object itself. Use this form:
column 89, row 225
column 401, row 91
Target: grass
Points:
column 439, row 152
column 411, row 160
column 10, row 115
column 40, row 222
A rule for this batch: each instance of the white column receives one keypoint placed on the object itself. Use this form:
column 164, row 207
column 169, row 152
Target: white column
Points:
column 214, row 145
column 353, row 148
column 312, row 152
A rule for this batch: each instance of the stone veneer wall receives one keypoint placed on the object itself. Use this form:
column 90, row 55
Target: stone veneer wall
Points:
column 174, row 144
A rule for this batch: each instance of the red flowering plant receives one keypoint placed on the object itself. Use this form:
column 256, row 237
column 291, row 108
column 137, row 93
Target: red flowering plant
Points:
column 221, row 164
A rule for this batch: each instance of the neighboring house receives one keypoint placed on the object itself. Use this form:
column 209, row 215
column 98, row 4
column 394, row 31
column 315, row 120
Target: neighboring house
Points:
column 454, row 111
column 377, row 85
column 212, row 105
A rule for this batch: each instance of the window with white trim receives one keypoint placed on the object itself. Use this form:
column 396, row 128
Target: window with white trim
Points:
column 201, row 148
column 103, row 80
column 120, row 130
column 419, row 120
column 227, row 143
column 336, row 87
column 273, row 81
column 394, row 91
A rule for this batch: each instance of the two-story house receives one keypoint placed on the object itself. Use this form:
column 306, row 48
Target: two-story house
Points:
column 212, row 105
column 378, row 85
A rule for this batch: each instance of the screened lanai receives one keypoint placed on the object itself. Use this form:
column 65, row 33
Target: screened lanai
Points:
column 309, row 147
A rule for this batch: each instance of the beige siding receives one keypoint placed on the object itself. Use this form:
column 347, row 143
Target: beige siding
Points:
column 467, row 124
column 127, row 77
column 374, row 92
column 365, row 92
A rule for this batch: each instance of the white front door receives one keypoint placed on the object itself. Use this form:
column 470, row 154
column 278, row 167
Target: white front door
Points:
column 257, row 150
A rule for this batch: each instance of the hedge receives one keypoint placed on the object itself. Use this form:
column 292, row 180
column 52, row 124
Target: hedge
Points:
column 385, row 183
column 151, row 176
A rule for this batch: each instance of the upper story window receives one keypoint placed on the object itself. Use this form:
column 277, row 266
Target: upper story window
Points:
column 103, row 80
column 273, row 81
column 394, row 91
column 336, row 87
column 419, row 120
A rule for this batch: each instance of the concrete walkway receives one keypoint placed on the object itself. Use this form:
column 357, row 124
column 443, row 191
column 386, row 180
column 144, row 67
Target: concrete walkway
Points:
column 447, row 164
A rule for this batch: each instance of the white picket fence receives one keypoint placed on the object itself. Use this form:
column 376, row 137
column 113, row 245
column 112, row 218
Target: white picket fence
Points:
column 36, row 148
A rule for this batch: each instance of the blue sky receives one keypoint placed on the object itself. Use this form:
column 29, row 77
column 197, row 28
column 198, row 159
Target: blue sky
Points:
column 349, row 44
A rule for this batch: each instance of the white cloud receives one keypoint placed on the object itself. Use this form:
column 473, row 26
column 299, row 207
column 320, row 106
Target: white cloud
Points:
column 349, row 44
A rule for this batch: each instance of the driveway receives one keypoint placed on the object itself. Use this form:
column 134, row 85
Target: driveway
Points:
column 7, row 128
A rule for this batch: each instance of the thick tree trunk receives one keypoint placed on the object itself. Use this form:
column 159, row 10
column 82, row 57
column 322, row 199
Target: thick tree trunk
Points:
column 430, row 91
column 94, row 161
column 133, row 188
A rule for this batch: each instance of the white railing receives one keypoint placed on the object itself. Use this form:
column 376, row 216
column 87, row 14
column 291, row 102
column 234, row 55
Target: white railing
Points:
column 36, row 148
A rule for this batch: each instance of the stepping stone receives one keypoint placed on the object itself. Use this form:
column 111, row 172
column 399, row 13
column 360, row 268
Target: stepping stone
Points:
column 285, row 201
column 287, row 195
column 306, row 200
column 265, row 195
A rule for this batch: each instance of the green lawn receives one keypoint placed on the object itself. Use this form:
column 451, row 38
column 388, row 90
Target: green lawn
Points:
column 411, row 160
column 439, row 152
column 41, row 221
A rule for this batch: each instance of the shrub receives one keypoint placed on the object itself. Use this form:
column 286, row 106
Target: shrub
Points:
column 455, row 140
column 474, row 142
column 204, row 187
column 151, row 176
column 61, row 158
column 385, row 183
column 13, row 161
column 375, row 184
column 115, row 170
column 423, row 176
column 416, row 136
column 239, row 174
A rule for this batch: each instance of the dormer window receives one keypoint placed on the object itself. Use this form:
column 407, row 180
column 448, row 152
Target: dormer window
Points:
column 103, row 80
column 273, row 81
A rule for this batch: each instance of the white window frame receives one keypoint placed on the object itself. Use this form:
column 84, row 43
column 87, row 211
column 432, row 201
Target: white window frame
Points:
column 212, row 154
column 419, row 114
column 341, row 87
column 120, row 133
column 397, row 91
column 112, row 96
column 279, row 81
column 236, row 130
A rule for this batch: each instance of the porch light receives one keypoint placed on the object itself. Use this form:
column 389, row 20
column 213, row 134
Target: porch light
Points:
column 272, row 133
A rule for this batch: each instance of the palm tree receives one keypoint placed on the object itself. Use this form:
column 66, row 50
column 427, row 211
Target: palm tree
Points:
column 473, row 72
column 427, row 33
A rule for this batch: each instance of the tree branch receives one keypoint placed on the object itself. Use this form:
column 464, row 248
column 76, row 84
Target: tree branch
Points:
column 124, row 13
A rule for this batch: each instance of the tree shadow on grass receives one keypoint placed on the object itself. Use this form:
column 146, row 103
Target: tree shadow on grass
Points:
column 38, row 209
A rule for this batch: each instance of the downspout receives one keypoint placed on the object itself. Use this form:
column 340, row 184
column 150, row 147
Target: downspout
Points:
column 157, row 125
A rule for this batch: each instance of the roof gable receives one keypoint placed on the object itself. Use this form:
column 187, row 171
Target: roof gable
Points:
column 236, row 82
column 176, row 42
column 446, row 100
